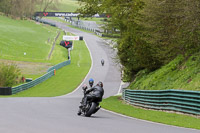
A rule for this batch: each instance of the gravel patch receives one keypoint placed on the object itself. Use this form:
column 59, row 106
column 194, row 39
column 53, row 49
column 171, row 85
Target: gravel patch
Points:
column 31, row 68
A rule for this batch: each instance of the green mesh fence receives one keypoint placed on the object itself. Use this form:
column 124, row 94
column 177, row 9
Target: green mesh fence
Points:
column 32, row 83
column 60, row 65
column 50, row 73
column 172, row 100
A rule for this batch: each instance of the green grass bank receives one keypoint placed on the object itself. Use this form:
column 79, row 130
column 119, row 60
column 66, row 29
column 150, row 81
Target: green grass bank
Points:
column 115, row 104
column 25, row 40
column 27, row 44
column 181, row 73
column 65, row 6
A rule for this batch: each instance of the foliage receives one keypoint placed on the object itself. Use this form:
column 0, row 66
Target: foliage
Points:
column 8, row 75
column 24, row 8
column 171, row 27
column 178, row 74
column 115, row 104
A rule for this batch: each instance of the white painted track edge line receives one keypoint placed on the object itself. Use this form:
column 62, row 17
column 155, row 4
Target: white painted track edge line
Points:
column 120, row 87
column 85, row 76
column 125, row 116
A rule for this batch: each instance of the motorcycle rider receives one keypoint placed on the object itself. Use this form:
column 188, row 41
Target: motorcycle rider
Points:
column 95, row 94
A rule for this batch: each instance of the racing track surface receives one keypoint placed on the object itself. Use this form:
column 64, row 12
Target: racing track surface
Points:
column 58, row 114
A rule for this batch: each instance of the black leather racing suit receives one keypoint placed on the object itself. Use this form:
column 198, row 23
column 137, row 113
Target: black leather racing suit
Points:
column 96, row 95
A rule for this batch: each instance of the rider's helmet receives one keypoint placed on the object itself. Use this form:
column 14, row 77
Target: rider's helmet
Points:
column 91, row 82
column 100, row 84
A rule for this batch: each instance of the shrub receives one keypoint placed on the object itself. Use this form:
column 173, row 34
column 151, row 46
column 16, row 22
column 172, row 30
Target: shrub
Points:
column 8, row 74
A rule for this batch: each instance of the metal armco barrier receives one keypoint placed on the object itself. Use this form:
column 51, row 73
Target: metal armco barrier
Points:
column 45, row 22
column 50, row 73
column 86, row 28
column 171, row 100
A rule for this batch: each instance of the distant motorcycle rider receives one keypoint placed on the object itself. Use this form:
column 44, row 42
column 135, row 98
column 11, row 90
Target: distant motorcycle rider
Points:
column 102, row 62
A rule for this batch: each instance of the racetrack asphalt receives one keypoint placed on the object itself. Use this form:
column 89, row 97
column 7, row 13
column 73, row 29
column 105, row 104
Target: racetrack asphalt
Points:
column 59, row 114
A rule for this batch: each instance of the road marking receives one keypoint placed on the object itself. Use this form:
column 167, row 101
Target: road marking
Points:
column 120, row 87
column 86, row 75
column 129, row 117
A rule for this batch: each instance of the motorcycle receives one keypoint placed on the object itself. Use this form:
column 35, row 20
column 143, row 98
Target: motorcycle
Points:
column 91, row 107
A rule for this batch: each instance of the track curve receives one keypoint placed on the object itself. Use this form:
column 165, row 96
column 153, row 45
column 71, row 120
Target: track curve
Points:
column 58, row 114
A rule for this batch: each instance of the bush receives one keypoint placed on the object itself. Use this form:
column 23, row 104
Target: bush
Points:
column 8, row 74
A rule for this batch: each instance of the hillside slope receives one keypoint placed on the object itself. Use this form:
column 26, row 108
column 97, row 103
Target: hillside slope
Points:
column 27, row 44
column 183, row 74
column 24, row 40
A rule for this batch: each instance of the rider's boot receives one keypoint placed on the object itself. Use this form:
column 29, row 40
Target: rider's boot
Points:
column 82, row 106
column 79, row 112
column 97, row 108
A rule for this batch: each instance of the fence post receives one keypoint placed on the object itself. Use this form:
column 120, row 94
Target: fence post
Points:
column 54, row 71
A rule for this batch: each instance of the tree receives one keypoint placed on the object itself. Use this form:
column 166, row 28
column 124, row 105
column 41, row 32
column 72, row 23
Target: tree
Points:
column 171, row 27
column 5, row 6
column 189, row 31
column 24, row 8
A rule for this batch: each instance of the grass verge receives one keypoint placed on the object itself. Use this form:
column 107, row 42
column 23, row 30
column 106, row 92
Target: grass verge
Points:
column 60, row 6
column 115, row 104
column 67, row 6
column 66, row 78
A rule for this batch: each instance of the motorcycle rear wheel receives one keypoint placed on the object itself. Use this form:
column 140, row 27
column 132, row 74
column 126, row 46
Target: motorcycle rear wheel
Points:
column 91, row 110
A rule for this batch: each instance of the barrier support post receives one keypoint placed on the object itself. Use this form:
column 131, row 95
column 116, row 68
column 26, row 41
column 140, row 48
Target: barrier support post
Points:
column 54, row 71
